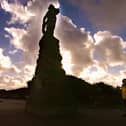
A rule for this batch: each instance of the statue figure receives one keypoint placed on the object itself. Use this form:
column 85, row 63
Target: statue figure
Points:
column 49, row 20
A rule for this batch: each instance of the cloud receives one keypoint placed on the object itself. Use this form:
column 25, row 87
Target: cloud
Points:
column 109, row 49
column 82, row 52
column 16, row 37
column 12, row 52
column 8, row 72
column 84, row 55
column 112, row 80
column 94, row 73
column 10, row 82
column 19, row 12
column 123, row 73
column 28, row 71
column 108, row 52
column 5, row 62
column 105, row 14
column 78, row 42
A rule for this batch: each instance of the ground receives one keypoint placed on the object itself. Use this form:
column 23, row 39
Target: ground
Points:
column 12, row 113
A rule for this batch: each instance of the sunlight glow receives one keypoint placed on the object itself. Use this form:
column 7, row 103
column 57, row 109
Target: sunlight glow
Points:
column 93, row 75
column 98, row 39
column 56, row 4
column 66, row 61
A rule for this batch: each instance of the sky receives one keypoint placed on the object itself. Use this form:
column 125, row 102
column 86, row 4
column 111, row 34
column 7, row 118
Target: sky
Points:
column 91, row 32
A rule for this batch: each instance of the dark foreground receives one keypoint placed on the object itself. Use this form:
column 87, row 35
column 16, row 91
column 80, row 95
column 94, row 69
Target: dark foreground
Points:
column 12, row 113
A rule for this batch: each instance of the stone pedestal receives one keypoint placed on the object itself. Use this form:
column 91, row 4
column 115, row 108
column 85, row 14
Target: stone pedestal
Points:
column 49, row 93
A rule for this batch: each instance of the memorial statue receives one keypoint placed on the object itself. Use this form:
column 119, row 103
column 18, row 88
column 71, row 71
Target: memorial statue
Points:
column 50, row 90
column 49, row 20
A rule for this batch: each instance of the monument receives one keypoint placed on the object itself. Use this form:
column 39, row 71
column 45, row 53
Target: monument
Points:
column 49, row 94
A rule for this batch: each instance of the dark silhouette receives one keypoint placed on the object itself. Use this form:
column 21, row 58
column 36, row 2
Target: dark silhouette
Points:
column 20, row 93
column 124, row 94
column 124, row 90
column 54, row 93
column 47, row 87
column 49, row 20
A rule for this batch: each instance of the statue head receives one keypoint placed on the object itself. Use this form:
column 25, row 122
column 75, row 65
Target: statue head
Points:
column 52, row 8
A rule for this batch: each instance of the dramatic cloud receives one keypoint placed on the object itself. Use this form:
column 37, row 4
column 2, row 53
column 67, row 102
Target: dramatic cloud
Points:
column 8, row 72
column 109, row 49
column 93, row 73
column 11, row 82
column 105, row 14
column 18, row 11
column 16, row 37
column 78, row 42
column 96, row 73
column 27, row 36
column 5, row 61
column 84, row 55
column 83, row 52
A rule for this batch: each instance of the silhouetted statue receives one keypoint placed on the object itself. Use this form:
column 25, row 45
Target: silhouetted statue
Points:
column 49, row 92
column 49, row 20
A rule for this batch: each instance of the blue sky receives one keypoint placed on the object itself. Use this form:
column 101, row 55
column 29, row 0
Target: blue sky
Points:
column 4, row 41
column 4, row 17
column 81, row 19
column 75, row 13
column 91, row 32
